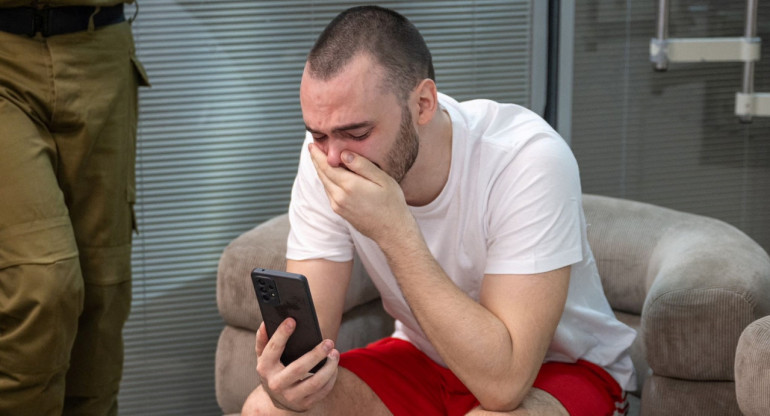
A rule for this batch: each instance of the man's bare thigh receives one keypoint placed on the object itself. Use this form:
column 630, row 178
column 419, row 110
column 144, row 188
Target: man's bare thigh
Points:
column 350, row 396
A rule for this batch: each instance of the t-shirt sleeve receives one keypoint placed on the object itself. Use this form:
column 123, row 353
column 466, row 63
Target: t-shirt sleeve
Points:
column 316, row 231
column 534, row 216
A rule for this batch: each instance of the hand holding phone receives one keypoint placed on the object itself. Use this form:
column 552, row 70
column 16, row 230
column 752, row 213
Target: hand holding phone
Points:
column 283, row 295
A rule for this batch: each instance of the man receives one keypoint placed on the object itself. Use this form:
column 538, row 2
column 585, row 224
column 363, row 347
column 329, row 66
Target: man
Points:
column 68, row 113
column 468, row 218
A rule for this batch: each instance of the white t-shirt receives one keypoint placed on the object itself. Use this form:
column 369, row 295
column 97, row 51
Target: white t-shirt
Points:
column 511, row 205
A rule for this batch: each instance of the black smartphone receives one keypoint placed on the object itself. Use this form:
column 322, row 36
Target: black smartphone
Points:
column 283, row 295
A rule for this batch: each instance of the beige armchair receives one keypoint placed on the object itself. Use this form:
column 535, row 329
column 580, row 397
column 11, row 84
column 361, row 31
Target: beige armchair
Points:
column 689, row 284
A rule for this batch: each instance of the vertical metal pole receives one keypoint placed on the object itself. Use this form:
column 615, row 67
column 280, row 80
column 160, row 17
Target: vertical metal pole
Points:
column 552, row 83
column 662, row 33
column 748, row 67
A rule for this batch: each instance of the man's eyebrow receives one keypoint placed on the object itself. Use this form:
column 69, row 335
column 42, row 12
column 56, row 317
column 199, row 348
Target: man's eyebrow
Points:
column 346, row 127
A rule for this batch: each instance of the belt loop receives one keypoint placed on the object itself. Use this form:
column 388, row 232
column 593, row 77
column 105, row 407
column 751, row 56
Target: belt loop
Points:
column 41, row 19
column 136, row 13
column 91, row 25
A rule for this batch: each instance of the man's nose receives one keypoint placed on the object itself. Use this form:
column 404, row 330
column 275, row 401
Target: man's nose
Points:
column 334, row 148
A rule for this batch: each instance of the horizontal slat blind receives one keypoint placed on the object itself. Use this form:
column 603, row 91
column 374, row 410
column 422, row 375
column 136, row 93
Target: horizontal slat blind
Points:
column 219, row 136
column 670, row 138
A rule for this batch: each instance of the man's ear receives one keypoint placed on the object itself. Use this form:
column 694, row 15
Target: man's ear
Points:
column 427, row 101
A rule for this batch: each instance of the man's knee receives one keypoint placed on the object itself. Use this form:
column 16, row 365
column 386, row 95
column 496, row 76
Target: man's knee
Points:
column 41, row 298
column 536, row 403
column 258, row 403
column 539, row 402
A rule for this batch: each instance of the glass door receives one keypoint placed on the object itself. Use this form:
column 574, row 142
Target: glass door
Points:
column 669, row 138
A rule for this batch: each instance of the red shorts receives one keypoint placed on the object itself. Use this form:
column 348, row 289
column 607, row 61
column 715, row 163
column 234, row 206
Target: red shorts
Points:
column 410, row 383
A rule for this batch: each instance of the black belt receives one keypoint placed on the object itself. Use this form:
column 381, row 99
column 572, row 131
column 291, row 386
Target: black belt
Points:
column 50, row 21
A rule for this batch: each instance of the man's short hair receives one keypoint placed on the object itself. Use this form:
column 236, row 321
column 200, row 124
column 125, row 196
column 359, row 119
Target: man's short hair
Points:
column 387, row 36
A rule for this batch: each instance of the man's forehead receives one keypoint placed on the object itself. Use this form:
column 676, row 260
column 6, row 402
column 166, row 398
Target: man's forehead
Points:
column 360, row 73
column 341, row 102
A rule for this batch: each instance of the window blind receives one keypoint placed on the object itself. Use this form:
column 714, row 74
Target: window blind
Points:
column 670, row 138
column 219, row 136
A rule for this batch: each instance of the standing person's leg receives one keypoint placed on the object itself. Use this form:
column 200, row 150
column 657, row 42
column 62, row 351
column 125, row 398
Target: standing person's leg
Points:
column 41, row 288
column 95, row 128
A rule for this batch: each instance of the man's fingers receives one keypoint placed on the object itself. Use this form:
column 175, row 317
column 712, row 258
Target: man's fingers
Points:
column 308, row 389
column 302, row 365
column 323, row 169
column 357, row 164
column 272, row 350
column 261, row 339
column 363, row 167
column 337, row 182
column 317, row 386
column 295, row 388
column 269, row 366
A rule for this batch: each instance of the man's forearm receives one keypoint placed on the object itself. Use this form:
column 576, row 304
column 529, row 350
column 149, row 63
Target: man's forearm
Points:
column 471, row 340
column 328, row 282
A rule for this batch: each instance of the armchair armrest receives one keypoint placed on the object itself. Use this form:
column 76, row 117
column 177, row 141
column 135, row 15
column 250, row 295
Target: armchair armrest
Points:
column 707, row 281
column 263, row 246
column 752, row 368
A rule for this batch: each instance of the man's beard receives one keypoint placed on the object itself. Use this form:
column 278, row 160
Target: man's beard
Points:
column 402, row 155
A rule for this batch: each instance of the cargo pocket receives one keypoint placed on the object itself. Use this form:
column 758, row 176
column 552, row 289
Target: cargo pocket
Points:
column 141, row 73
column 131, row 199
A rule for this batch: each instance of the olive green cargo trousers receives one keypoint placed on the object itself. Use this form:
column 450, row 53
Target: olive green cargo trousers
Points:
column 68, row 120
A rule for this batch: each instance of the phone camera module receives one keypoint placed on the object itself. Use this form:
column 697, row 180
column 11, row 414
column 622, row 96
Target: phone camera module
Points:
column 268, row 292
